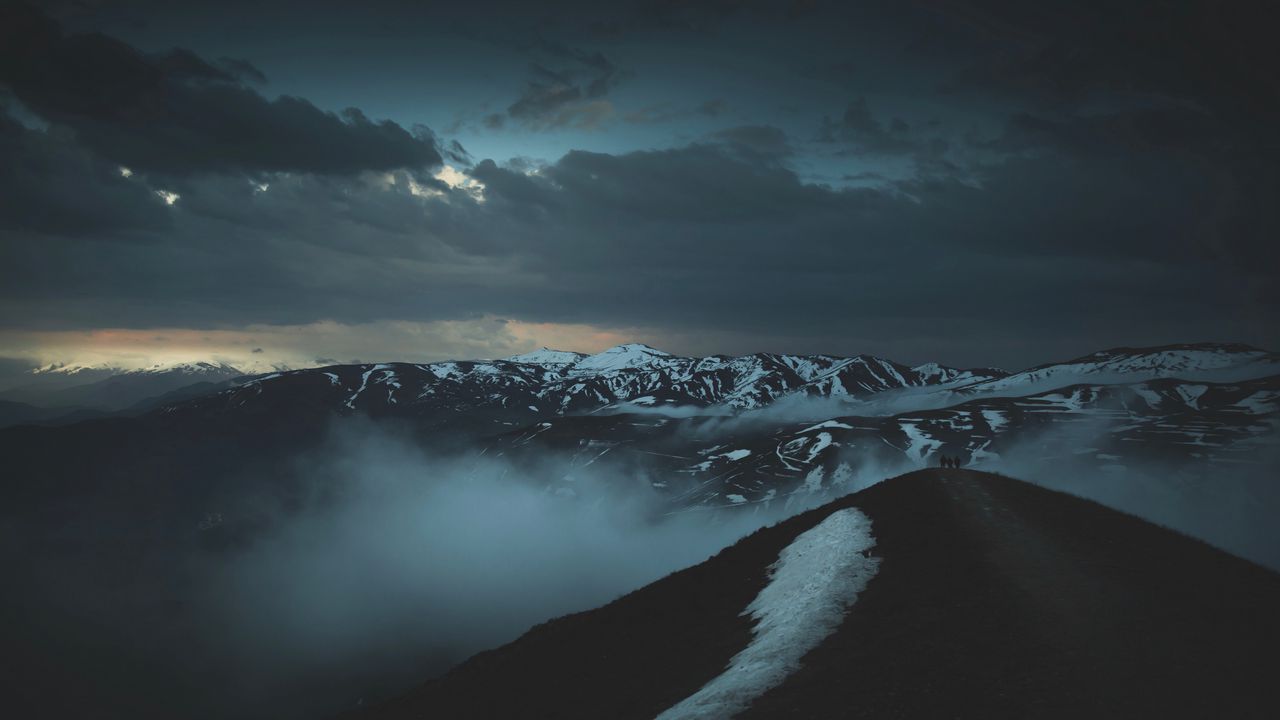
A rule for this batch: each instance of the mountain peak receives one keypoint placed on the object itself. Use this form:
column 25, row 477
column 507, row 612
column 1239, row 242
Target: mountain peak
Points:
column 547, row 356
column 935, row 371
column 621, row 357
column 195, row 367
column 198, row 367
column 72, row 369
column 634, row 348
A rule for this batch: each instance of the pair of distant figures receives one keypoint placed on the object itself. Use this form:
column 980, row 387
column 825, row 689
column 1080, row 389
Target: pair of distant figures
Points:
column 952, row 462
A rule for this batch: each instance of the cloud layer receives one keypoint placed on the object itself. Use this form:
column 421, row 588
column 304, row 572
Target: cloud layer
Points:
column 177, row 114
column 986, row 219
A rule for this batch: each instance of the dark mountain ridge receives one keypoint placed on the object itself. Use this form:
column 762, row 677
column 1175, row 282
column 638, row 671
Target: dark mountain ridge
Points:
column 994, row 598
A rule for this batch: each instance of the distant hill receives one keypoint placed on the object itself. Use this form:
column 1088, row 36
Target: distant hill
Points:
column 113, row 389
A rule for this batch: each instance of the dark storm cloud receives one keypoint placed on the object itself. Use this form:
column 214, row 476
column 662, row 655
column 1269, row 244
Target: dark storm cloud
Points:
column 241, row 70
column 859, row 133
column 859, row 127
column 175, row 113
column 1236, row 181
column 1046, row 225
column 692, row 17
column 713, row 108
column 713, row 213
column 1189, row 83
column 667, row 112
column 1194, row 77
column 565, row 91
column 547, row 92
column 1219, row 54
column 1169, row 128
column 458, row 154
column 843, row 74
column 705, row 236
column 50, row 184
column 765, row 140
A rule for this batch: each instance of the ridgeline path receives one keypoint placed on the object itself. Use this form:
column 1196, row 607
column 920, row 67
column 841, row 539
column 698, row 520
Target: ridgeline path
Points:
column 994, row 598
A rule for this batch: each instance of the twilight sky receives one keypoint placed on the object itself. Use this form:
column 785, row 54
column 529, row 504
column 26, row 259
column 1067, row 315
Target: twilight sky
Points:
column 975, row 182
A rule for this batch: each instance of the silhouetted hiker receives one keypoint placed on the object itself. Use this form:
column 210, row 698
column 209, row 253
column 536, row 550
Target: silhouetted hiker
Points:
column 946, row 461
column 956, row 462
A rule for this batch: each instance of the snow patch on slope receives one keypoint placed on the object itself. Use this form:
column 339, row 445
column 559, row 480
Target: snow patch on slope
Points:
column 828, row 424
column 814, row 581
column 1190, row 395
column 1259, row 403
column 995, row 419
column 920, row 446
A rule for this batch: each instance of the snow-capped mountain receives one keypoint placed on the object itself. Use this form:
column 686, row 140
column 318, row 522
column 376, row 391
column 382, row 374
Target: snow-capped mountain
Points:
column 112, row 388
column 553, row 382
column 1092, row 428
column 636, row 377
column 636, row 403
column 766, row 457
column 620, row 358
column 97, row 372
column 548, row 357
column 1202, row 361
column 772, row 428
column 935, row 374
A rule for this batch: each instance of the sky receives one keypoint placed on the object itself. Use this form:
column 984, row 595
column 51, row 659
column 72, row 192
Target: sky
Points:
column 973, row 182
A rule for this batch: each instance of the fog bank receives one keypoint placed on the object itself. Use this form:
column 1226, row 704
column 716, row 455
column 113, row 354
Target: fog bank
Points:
column 398, row 563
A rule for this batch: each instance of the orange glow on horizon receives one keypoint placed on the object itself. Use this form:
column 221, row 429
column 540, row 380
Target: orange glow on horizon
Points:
column 262, row 347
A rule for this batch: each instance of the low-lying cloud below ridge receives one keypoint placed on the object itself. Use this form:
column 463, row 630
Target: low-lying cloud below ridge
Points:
column 385, row 564
column 1229, row 503
column 401, row 563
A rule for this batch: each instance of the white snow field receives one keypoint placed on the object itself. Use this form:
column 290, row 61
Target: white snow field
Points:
column 814, row 581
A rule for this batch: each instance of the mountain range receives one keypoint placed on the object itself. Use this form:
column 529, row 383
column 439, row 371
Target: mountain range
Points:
column 64, row 394
column 752, row 429
column 726, row 431
column 128, row 506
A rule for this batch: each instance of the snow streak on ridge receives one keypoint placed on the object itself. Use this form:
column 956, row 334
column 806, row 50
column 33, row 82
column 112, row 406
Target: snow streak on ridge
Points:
column 814, row 581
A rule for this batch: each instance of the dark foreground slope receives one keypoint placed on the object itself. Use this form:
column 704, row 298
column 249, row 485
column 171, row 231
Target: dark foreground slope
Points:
column 995, row 598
